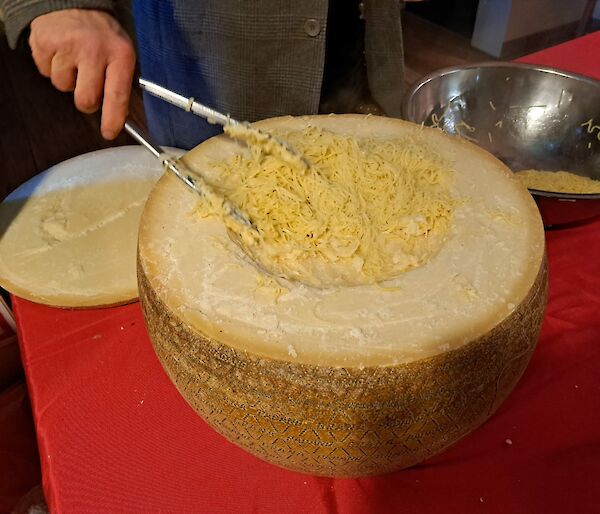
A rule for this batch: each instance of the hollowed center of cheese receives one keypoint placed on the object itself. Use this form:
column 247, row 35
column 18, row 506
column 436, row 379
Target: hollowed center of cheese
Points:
column 367, row 209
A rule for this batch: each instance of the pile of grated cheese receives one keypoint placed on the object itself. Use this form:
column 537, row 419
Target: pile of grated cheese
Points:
column 366, row 210
column 558, row 182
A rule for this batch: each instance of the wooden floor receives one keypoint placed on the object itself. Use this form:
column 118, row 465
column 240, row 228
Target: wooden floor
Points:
column 39, row 126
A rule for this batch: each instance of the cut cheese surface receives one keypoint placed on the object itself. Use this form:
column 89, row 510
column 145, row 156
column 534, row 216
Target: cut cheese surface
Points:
column 69, row 235
column 490, row 258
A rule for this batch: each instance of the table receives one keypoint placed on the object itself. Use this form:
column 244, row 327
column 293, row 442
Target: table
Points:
column 115, row 435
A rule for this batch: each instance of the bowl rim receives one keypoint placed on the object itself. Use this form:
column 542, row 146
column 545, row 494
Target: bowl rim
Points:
column 408, row 95
column 485, row 64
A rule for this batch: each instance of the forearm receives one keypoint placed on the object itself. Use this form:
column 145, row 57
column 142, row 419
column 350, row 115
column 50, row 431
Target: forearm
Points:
column 18, row 14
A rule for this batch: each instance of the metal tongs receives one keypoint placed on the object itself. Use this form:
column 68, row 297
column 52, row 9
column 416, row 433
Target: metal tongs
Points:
column 212, row 116
column 190, row 178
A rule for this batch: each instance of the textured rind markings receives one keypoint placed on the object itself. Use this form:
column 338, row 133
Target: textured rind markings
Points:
column 345, row 421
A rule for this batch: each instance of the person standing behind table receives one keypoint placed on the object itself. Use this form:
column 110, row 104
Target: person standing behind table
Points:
column 253, row 59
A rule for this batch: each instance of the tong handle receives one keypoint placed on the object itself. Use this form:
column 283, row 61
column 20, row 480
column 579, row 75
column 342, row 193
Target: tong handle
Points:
column 282, row 148
column 161, row 155
column 143, row 140
column 187, row 104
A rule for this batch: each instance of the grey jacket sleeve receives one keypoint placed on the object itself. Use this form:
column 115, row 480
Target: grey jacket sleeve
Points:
column 18, row 14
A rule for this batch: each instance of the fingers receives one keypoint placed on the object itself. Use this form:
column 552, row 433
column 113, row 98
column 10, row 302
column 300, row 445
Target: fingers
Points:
column 90, row 78
column 117, row 89
column 88, row 52
column 90, row 82
column 68, row 73
column 63, row 73
column 42, row 56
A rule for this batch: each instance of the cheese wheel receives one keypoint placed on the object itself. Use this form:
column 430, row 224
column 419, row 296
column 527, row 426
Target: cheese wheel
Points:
column 347, row 381
column 69, row 235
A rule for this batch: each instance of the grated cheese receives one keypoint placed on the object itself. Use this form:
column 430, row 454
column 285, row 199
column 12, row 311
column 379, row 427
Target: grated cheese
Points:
column 264, row 140
column 366, row 210
column 558, row 182
column 589, row 125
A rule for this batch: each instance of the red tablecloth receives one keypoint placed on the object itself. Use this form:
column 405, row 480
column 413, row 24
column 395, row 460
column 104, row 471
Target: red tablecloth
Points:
column 582, row 55
column 115, row 435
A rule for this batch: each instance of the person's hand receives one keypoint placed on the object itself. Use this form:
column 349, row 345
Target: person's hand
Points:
column 88, row 52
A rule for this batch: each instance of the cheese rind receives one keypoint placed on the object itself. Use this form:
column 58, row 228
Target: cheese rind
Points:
column 344, row 421
column 347, row 381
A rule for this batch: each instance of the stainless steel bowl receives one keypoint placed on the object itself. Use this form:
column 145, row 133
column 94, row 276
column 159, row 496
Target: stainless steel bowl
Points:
column 530, row 117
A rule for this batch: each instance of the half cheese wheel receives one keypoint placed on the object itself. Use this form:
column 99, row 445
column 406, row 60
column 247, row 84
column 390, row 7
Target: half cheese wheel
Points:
column 347, row 381
column 69, row 235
